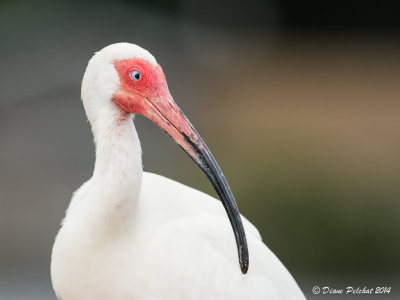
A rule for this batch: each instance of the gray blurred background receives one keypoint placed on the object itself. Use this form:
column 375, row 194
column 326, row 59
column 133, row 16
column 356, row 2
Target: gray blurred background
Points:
column 298, row 100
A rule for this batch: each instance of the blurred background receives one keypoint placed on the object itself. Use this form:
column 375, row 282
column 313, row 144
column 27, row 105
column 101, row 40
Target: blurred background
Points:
column 298, row 100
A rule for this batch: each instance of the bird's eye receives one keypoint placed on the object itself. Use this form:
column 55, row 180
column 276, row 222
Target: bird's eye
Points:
column 135, row 75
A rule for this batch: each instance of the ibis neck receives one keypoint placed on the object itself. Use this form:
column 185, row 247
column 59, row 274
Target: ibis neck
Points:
column 118, row 168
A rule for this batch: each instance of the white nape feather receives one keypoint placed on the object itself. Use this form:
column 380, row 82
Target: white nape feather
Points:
column 132, row 235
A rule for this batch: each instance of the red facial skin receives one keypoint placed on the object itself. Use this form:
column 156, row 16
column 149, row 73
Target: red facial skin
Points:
column 150, row 97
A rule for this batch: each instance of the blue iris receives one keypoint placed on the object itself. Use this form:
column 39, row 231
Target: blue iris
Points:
column 135, row 75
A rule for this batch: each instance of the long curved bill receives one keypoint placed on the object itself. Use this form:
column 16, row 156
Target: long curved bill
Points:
column 166, row 114
column 157, row 105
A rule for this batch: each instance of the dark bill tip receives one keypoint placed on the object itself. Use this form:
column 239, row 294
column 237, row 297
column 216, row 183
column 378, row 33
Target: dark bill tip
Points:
column 209, row 166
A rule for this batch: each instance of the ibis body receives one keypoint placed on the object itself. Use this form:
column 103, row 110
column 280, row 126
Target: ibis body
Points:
column 129, row 234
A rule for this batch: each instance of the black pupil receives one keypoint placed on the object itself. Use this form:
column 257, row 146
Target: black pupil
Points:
column 137, row 75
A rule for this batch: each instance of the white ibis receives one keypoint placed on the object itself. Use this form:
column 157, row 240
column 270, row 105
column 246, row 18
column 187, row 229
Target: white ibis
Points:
column 129, row 234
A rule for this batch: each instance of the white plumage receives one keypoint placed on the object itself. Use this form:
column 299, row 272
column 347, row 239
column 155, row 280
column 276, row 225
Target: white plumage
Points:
column 131, row 235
